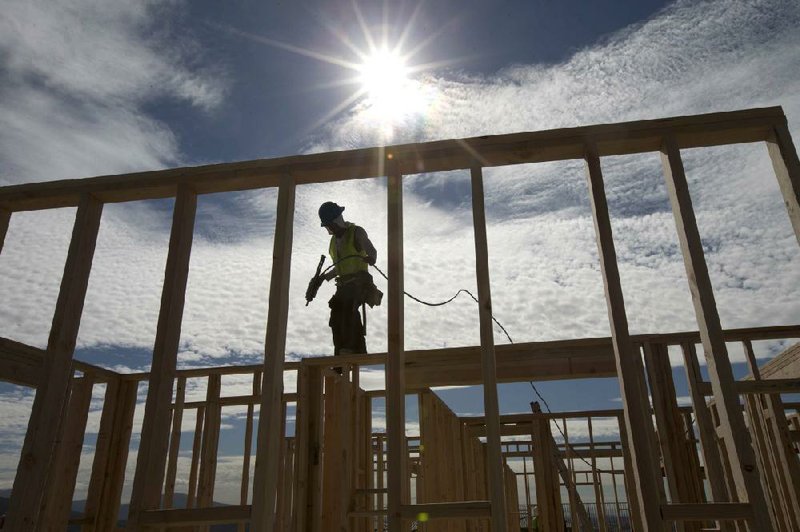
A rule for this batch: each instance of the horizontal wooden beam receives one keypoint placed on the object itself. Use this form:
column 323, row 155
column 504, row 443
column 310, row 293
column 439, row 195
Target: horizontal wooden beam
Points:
column 443, row 510
column 240, row 400
column 706, row 511
column 20, row 364
column 196, row 516
column 751, row 125
column 550, row 360
column 597, row 453
column 762, row 386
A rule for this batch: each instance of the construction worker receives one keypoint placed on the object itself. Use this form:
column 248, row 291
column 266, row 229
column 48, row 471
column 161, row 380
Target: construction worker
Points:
column 352, row 253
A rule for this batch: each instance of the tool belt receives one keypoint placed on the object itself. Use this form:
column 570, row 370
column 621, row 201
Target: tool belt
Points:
column 368, row 291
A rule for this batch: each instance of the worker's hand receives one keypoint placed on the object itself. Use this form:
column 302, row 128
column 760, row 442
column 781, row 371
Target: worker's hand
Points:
column 368, row 261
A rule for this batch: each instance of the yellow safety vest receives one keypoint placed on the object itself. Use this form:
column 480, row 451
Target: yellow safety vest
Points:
column 352, row 265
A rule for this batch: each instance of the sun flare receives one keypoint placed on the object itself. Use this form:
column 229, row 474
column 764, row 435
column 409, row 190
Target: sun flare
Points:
column 390, row 94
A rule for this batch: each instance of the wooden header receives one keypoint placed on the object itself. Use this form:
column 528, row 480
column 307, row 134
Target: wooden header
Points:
column 751, row 125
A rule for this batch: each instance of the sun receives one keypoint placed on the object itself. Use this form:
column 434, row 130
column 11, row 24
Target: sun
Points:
column 390, row 94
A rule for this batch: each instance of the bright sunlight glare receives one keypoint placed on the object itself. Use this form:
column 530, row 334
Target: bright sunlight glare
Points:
column 391, row 95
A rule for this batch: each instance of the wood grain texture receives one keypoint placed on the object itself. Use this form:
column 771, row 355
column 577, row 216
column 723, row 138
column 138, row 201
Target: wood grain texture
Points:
column 45, row 426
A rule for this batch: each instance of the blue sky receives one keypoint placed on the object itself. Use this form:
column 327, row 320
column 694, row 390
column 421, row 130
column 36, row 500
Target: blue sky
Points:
column 93, row 87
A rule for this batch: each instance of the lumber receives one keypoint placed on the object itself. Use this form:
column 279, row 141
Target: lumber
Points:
column 5, row 218
column 248, row 440
column 778, row 461
column 750, row 125
column 397, row 483
column 628, row 361
column 57, row 509
column 784, row 159
column 20, row 364
column 45, row 426
column 548, row 491
column 743, row 463
column 174, row 442
column 494, row 460
column 708, row 437
column 265, row 478
column 194, row 467
column 684, row 483
column 447, row 510
column 197, row 516
column 703, row 512
column 111, row 456
column 210, row 444
column 151, row 458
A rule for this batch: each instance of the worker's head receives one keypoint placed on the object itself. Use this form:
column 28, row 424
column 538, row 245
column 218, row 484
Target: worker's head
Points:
column 330, row 216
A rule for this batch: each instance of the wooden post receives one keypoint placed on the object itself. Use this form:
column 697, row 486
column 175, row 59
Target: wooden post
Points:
column 548, row 490
column 5, row 218
column 208, row 456
column 568, row 475
column 197, row 442
column 742, row 458
column 174, row 442
column 777, row 444
column 494, row 462
column 636, row 411
column 633, row 505
column 787, row 169
column 308, row 431
column 708, row 436
column 66, row 464
column 528, row 515
column 265, row 479
column 111, row 456
column 597, row 482
column 397, row 483
column 683, row 484
column 152, row 455
column 45, row 426
column 248, row 446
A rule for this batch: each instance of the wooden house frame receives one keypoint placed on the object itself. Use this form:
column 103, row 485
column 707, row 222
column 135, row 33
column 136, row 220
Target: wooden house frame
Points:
column 753, row 487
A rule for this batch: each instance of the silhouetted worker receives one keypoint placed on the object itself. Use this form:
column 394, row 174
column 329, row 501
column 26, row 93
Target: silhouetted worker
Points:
column 352, row 253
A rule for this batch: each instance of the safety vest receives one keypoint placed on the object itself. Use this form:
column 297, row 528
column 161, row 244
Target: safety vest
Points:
column 348, row 266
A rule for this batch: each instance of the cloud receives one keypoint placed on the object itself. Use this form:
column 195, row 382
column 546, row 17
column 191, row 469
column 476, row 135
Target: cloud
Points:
column 77, row 75
column 67, row 117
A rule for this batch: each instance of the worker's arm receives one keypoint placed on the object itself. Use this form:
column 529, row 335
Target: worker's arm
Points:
column 363, row 243
column 330, row 274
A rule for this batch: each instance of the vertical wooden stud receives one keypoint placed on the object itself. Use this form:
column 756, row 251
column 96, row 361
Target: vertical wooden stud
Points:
column 45, row 425
column 111, row 456
column 5, row 218
column 58, row 508
column 197, row 443
column 488, row 362
column 208, row 456
column 174, row 442
column 248, row 443
column 265, row 479
column 708, row 436
column 395, row 371
column 636, row 412
column 787, row 169
column 778, row 445
column 152, row 455
column 684, row 486
column 742, row 458
column 548, row 490
column 597, row 482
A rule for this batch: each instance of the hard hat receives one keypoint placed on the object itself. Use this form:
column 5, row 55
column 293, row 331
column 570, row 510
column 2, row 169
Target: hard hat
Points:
column 328, row 212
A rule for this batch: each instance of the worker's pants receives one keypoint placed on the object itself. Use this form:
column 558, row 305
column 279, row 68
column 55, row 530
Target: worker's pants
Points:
column 345, row 322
